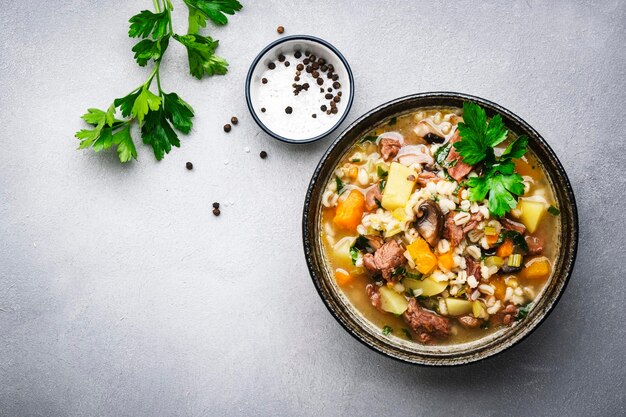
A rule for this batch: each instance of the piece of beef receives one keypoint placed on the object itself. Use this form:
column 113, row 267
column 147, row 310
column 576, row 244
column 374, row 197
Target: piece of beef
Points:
column 424, row 177
column 371, row 196
column 460, row 168
column 451, row 231
column 473, row 268
column 372, row 293
column 426, row 323
column 385, row 260
column 512, row 225
column 505, row 316
column 389, row 148
column 469, row 322
column 535, row 245
column 374, row 241
column 473, row 222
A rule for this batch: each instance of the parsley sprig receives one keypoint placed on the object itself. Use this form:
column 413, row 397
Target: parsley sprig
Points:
column 159, row 114
column 499, row 180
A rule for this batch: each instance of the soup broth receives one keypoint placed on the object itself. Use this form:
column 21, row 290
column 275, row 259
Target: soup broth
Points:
column 414, row 250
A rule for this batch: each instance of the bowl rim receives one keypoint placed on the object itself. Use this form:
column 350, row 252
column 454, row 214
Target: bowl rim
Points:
column 269, row 47
column 445, row 361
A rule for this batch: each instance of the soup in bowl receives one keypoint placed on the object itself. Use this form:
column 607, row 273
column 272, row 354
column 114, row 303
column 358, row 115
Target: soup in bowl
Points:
column 436, row 235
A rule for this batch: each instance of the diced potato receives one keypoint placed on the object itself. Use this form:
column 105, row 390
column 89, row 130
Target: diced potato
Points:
column 424, row 258
column 539, row 270
column 341, row 250
column 532, row 212
column 428, row 286
column 458, row 307
column 399, row 214
column 478, row 310
column 392, row 301
column 399, row 187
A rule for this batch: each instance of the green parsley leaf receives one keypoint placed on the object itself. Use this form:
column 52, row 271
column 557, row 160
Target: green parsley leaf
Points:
column 148, row 49
column 145, row 101
column 340, row 185
column 126, row 103
column 200, row 53
column 178, row 112
column 125, row 145
column 387, row 330
column 516, row 149
column 523, row 311
column 382, row 174
column 158, row 133
column 407, row 333
column 499, row 181
column 216, row 10
column 554, row 211
column 147, row 22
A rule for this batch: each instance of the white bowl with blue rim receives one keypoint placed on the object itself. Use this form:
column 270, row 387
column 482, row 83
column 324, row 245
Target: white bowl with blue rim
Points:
column 268, row 101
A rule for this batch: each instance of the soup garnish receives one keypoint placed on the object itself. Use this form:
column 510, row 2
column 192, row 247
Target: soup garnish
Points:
column 435, row 225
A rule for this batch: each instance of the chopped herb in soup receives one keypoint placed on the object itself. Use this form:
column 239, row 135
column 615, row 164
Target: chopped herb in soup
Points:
column 435, row 224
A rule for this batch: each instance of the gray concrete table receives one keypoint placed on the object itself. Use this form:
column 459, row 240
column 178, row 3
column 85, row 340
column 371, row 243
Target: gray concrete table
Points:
column 122, row 295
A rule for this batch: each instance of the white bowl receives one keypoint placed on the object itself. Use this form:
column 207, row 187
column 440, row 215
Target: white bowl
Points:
column 299, row 126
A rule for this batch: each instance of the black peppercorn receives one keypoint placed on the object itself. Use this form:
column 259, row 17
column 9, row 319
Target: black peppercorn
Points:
column 262, row 109
column 320, row 81
column 227, row 128
column 263, row 154
column 299, row 67
column 234, row 120
column 287, row 63
column 298, row 54
column 189, row 165
column 281, row 58
column 264, row 80
column 328, row 96
column 216, row 212
column 288, row 110
column 336, row 85
column 280, row 30
column 216, row 205
column 271, row 65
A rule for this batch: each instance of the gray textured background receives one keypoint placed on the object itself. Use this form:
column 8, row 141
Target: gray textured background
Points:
column 122, row 295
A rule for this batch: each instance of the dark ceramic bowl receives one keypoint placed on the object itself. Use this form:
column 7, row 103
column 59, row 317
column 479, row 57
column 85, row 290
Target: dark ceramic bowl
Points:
column 369, row 334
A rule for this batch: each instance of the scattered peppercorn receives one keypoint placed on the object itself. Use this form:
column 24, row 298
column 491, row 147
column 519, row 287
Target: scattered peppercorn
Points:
column 288, row 110
column 189, row 165
column 336, row 99
column 216, row 211
column 264, row 80
column 287, row 63
column 271, row 65
column 314, row 115
column 335, row 78
column 280, row 30
column 298, row 54
column 323, row 107
column 334, row 110
column 227, row 128
column 262, row 109
column 234, row 120
column 307, row 53
column 263, row 154
column 320, row 81
column 296, row 78
column 336, row 85
column 299, row 67
column 216, row 205
column 281, row 58
column 328, row 96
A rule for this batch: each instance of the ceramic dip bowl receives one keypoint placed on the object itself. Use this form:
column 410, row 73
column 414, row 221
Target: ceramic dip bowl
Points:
column 299, row 89
column 405, row 350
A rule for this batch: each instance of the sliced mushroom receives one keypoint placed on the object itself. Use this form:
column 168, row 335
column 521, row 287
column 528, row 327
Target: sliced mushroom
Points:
column 430, row 222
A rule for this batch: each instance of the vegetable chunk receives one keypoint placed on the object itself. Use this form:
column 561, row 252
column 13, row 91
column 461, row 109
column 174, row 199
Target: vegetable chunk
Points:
column 458, row 307
column 532, row 213
column 539, row 270
column 392, row 302
column 424, row 258
column 349, row 211
column 399, row 186
column 428, row 286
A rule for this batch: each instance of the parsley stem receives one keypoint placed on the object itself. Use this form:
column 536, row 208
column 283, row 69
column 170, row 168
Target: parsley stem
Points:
column 156, row 6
